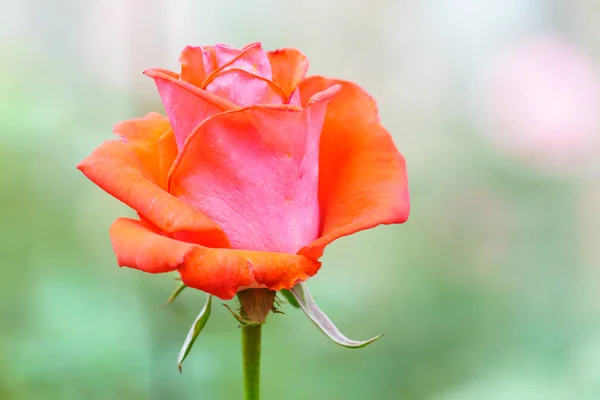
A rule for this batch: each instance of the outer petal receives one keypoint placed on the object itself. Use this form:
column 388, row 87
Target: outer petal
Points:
column 362, row 179
column 151, row 139
column 139, row 245
column 117, row 169
column 217, row 271
column 223, row 272
column 186, row 105
column 167, row 153
column 245, row 89
column 255, row 172
column 197, row 63
column 289, row 68
column 147, row 129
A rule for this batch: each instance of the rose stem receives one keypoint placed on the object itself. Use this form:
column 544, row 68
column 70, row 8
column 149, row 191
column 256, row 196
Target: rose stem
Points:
column 251, row 354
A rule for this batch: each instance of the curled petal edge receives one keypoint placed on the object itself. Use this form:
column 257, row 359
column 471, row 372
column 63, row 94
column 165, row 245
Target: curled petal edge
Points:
column 219, row 102
column 114, row 169
column 362, row 176
column 218, row 271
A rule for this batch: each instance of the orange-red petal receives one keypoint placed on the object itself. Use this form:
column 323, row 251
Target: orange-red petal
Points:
column 220, row 272
column 167, row 153
column 118, row 170
column 223, row 271
column 289, row 68
column 139, row 245
column 279, row 271
column 151, row 139
column 148, row 128
column 362, row 181
column 197, row 63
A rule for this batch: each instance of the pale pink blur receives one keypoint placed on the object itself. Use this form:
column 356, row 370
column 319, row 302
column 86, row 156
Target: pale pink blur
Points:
column 541, row 103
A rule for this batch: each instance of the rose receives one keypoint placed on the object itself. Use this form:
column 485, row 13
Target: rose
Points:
column 254, row 172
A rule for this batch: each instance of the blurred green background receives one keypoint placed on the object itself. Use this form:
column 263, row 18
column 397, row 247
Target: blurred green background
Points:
column 490, row 291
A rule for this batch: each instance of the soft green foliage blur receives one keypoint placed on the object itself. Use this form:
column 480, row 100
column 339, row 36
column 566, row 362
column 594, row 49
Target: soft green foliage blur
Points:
column 490, row 291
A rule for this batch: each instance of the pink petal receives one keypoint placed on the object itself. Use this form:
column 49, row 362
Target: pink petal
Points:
column 252, row 58
column 245, row 89
column 255, row 172
column 185, row 104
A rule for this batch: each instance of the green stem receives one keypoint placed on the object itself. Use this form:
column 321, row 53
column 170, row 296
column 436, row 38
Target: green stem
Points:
column 251, row 353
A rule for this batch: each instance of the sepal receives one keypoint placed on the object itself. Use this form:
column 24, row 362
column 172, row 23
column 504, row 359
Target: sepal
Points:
column 318, row 317
column 194, row 331
column 175, row 293
column 290, row 298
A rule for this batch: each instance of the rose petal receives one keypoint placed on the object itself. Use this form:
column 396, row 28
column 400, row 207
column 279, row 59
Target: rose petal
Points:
column 148, row 128
column 251, row 58
column 167, row 153
column 245, row 89
column 223, row 271
column 197, row 63
column 220, row 272
column 362, row 180
column 289, row 68
column 118, row 170
column 143, row 137
column 160, row 71
column 295, row 99
column 137, row 245
column 225, row 54
column 255, row 172
column 186, row 105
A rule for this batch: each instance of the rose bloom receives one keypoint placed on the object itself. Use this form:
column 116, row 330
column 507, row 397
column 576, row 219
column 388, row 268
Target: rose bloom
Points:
column 255, row 169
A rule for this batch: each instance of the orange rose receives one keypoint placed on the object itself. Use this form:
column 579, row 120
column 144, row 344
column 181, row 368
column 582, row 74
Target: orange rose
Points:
column 254, row 172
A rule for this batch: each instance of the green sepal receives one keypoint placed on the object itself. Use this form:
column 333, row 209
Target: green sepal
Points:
column 175, row 293
column 314, row 313
column 289, row 297
column 194, row 331
column 243, row 321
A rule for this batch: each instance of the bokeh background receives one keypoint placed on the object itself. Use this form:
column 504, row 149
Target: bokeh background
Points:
column 490, row 291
